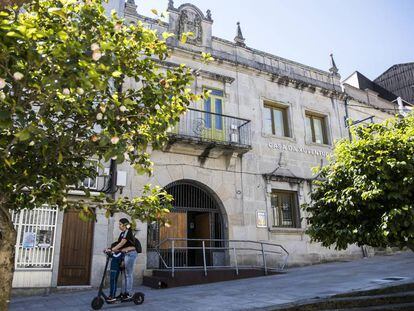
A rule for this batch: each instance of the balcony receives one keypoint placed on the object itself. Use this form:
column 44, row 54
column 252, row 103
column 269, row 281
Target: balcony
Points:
column 211, row 133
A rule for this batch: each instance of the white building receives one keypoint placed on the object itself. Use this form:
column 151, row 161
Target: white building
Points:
column 238, row 165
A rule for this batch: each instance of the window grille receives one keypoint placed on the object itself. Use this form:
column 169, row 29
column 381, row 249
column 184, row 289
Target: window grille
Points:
column 285, row 210
column 36, row 233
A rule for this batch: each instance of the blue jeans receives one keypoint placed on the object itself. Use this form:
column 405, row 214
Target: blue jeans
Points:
column 114, row 273
column 129, row 260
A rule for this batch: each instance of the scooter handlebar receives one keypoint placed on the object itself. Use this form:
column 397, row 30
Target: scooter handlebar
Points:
column 108, row 252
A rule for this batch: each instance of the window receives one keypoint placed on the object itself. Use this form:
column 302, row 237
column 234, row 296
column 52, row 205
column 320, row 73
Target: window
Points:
column 214, row 104
column 91, row 183
column 36, row 230
column 316, row 129
column 276, row 120
column 285, row 209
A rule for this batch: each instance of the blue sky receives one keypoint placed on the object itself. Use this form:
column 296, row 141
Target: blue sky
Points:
column 364, row 35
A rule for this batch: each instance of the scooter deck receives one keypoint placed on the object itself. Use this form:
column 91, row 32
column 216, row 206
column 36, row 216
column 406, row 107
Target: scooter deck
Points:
column 119, row 301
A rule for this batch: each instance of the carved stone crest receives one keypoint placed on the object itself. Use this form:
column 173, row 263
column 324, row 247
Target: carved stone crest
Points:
column 199, row 126
column 190, row 21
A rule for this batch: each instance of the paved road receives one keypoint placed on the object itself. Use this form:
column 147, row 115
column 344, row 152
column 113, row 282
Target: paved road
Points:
column 297, row 284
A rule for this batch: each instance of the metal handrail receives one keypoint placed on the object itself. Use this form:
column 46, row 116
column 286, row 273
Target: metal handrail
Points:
column 199, row 124
column 219, row 248
column 205, row 267
column 222, row 240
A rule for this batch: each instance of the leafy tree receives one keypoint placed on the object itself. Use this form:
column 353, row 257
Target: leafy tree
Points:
column 365, row 195
column 63, row 64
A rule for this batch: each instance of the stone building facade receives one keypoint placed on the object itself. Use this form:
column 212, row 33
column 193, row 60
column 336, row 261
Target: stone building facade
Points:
column 239, row 165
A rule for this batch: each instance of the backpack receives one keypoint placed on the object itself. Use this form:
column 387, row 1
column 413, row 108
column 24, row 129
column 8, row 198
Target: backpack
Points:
column 137, row 245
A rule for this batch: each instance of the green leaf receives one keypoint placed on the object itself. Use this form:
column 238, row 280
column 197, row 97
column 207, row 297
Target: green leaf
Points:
column 184, row 37
column 62, row 35
column 57, row 11
column 4, row 115
column 14, row 34
column 206, row 57
column 116, row 74
column 21, row 29
column 120, row 158
column 23, row 135
column 60, row 157
column 104, row 141
column 167, row 35
column 140, row 169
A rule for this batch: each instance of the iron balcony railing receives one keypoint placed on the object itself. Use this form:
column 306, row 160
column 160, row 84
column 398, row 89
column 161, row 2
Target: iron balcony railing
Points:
column 213, row 127
column 181, row 253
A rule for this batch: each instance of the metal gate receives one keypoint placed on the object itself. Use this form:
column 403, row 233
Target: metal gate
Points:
column 202, row 217
column 35, row 242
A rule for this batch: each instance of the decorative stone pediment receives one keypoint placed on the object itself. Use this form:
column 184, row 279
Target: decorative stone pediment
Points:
column 189, row 18
column 190, row 21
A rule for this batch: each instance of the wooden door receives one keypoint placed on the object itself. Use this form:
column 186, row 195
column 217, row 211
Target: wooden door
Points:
column 176, row 229
column 202, row 227
column 75, row 250
column 201, row 231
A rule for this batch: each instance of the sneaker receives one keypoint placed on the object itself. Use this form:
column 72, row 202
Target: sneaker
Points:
column 127, row 296
column 120, row 296
column 110, row 299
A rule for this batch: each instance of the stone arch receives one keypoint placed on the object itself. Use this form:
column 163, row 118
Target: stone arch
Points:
column 197, row 214
column 210, row 193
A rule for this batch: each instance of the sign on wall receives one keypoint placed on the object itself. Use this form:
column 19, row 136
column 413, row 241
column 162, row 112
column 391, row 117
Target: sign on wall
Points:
column 292, row 148
column 261, row 219
column 44, row 238
column 29, row 240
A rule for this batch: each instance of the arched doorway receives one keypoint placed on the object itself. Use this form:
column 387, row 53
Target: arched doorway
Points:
column 197, row 215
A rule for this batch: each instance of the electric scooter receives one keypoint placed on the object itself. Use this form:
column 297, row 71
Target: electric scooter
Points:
column 98, row 301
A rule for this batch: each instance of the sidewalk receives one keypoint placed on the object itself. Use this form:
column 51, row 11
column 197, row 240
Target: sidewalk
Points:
column 297, row 284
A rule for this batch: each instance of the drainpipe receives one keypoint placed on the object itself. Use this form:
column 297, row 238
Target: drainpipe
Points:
column 110, row 191
column 267, row 185
column 242, row 189
column 111, row 187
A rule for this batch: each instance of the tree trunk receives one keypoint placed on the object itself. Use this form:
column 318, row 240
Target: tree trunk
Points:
column 7, row 243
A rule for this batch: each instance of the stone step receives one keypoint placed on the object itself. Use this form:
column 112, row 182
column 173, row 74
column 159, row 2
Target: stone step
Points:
column 156, row 282
column 184, row 277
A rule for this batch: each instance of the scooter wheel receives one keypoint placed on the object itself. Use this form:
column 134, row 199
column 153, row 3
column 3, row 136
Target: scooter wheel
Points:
column 97, row 303
column 138, row 298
